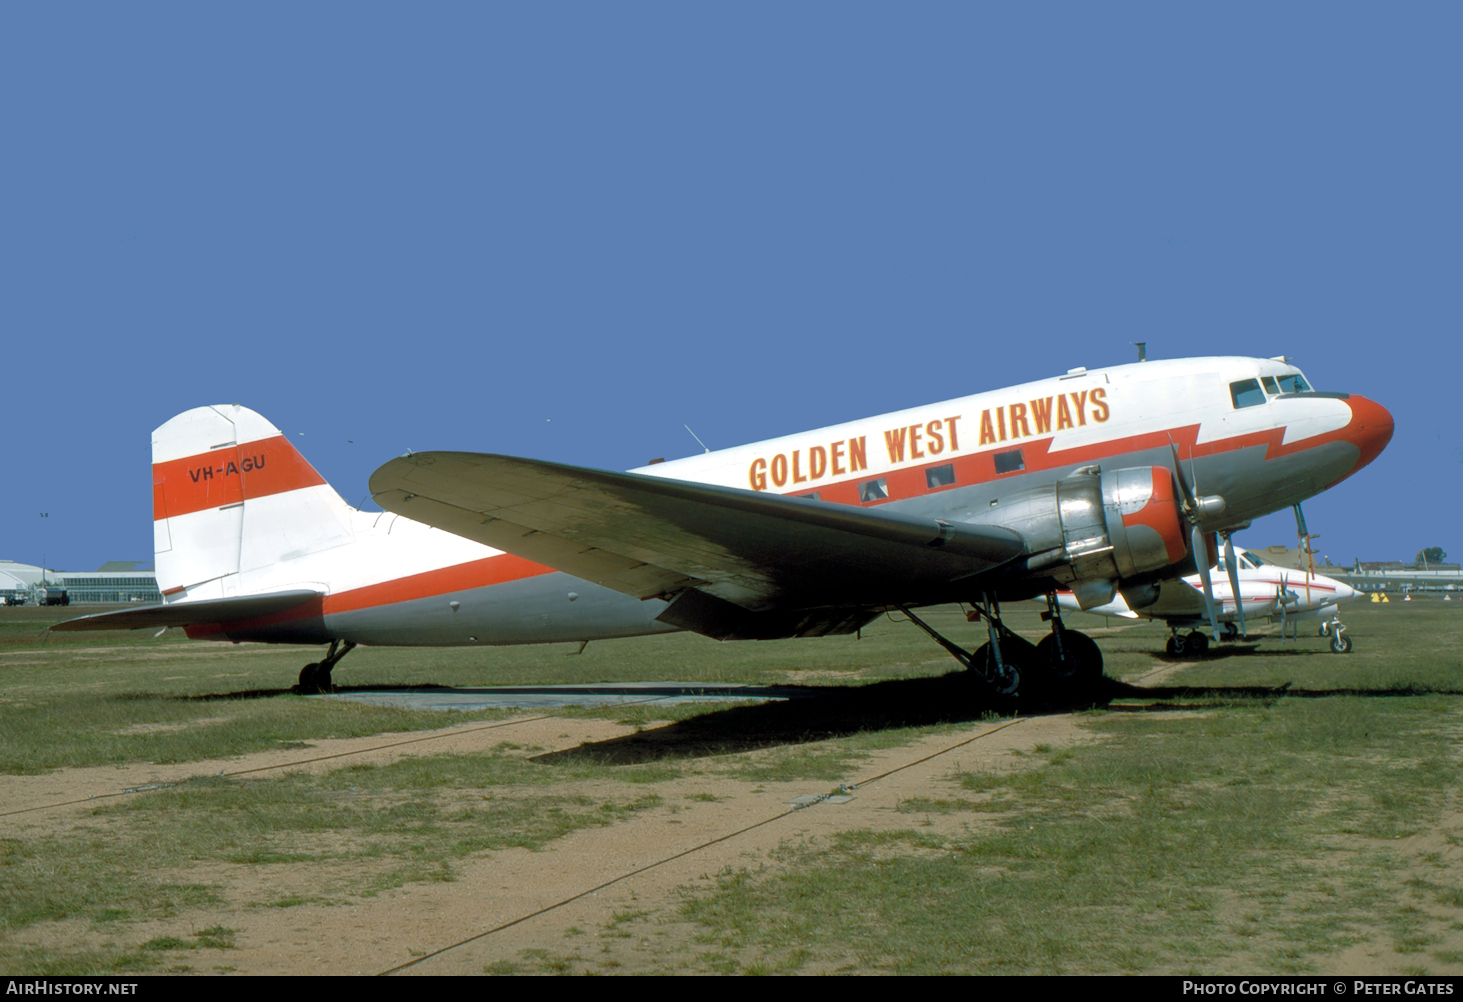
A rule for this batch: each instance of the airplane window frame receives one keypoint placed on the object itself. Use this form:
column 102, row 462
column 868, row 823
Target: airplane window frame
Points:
column 1004, row 463
column 1246, row 390
column 935, row 476
column 867, row 488
column 1298, row 383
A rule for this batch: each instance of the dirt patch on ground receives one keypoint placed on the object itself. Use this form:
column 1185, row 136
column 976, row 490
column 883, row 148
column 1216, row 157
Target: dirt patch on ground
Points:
column 77, row 789
column 605, row 898
column 578, row 897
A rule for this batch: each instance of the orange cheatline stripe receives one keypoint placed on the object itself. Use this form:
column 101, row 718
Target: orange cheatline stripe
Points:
column 461, row 577
column 228, row 476
column 979, row 467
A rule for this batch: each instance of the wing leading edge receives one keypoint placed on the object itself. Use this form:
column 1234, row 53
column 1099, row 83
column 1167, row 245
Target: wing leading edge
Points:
column 711, row 550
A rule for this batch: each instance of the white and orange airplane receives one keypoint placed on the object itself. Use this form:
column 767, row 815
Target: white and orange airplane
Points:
column 1265, row 592
column 1093, row 481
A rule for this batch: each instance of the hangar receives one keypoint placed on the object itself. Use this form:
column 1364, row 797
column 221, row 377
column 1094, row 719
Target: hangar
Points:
column 117, row 581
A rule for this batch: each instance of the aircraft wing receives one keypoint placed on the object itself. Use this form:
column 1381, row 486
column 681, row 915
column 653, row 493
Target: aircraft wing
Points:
column 213, row 610
column 652, row 536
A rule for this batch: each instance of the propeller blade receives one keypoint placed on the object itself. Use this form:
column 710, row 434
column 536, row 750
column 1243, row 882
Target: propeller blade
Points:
column 1201, row 558
column 1233, row 568
column 1282, row 595
column 1185, row 489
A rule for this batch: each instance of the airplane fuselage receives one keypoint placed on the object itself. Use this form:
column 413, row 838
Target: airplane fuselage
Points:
column 238, row 512
column 1265, row 592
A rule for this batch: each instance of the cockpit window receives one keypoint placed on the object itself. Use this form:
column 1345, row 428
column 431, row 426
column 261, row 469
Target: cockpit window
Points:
column 1270, row 385
column 1294, row 383
column 1246, row 393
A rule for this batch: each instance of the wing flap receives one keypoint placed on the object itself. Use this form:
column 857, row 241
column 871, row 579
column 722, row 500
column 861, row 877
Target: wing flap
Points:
column 647, row 536
column 213, row 610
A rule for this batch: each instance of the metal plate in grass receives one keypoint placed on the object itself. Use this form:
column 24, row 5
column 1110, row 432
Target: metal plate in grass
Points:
column 533, row 697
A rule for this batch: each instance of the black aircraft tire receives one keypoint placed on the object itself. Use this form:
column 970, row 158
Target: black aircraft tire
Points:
column 1175, row 647
column 1079, row 673
column 1341, row 644
column 1017, row 670
column 309, row 680
column 1196, row 643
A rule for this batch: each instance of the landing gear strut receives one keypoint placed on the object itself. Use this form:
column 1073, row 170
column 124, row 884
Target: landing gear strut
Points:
column 1070, row 662
column 997, row 663
column 315, row 677
column 1178, row 645
column 1065, row 663
column 1336, row 630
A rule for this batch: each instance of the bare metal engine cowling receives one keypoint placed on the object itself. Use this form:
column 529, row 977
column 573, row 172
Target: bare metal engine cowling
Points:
column 1098, row 526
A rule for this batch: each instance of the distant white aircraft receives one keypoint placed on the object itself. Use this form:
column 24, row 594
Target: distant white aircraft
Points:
column 1267, row 592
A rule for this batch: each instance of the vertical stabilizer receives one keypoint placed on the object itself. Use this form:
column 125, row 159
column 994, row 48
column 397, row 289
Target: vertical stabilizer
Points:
column 232, row 499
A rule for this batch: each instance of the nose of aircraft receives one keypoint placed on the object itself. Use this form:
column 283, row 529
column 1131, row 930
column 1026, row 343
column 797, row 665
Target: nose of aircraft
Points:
column 1370, row 429
column 1344, row 591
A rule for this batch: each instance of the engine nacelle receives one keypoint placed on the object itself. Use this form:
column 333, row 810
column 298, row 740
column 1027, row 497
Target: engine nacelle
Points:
column 1096, row 526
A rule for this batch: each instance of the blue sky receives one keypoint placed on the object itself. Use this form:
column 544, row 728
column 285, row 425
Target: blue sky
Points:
column 566, row 230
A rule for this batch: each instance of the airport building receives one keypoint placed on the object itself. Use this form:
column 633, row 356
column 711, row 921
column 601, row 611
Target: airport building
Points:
column 1370, row 575
column 115, row 582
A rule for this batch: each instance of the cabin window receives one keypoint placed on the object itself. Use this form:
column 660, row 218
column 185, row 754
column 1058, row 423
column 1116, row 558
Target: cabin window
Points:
column 812, row 495
column 1246, row 393
column 1009, row 462
column 940, row 476
column 873, row 490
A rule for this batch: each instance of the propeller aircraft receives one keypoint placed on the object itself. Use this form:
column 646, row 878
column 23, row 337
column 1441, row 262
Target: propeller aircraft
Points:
column 1266, row 592
column 1096, row 482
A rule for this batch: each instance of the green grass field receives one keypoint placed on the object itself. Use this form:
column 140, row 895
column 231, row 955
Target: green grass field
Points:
column 1265, row 809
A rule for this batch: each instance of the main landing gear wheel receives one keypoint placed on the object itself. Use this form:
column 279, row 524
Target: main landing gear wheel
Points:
column 996, row 667
column 1231, row 632
column 1193, row 643
column 1015, row 660
column 1075, row 672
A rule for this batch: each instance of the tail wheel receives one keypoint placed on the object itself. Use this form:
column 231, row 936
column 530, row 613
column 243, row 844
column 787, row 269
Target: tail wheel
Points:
column 313, row 681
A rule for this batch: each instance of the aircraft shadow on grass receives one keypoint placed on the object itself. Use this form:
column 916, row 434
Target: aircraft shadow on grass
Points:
column 1240, row 650
column 833, row 713
column 807, row 714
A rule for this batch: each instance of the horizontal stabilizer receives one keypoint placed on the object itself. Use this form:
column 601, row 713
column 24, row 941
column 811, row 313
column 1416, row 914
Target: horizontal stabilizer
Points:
column 648, row 536
column 213, row 610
